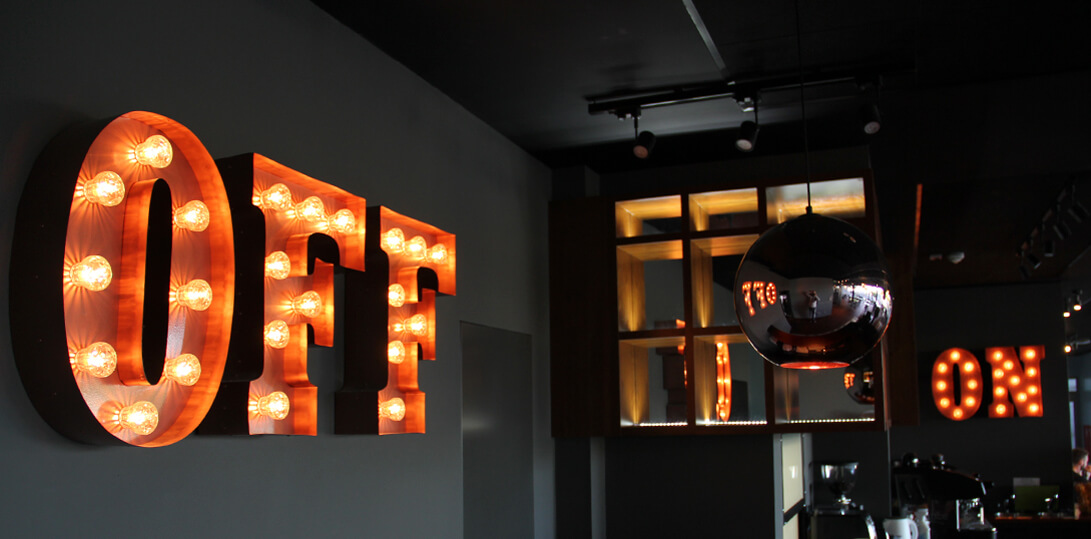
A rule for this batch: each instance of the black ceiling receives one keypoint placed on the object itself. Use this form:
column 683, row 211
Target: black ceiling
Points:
column 531, row 69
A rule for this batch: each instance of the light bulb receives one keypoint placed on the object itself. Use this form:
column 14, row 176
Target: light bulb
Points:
column 1001, row 409
column 941, row 385
column 106, row 188
column 416, row 248
column 396, row 295
column 998, row 373
column 93, row 273
column 1034, row 408
column 1009, row 365
column 957, row 413
column 277, row 197
column 155, row 152
column 999, row 392
column 971, row 384
column 942, row 367
column 1033, row 390
column 438, row 254
column 141, row 417
column 417, row 325
column 277, row 334
column 955, row 356
column 343, row 221
column 311, row 210
column 393, row 409
column 395, row 352
column 278, row 265
column 394, row 240
column 98, row 360
column 196, row 295
column 184, row 369
column 968, row 367
column 944, row 402
column 1014, row 381
column 274, row 405
column 192, row 216
column 308, row 304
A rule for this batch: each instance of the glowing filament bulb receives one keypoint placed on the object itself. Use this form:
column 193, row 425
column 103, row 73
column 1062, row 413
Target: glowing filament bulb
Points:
column 968, row 367
column 278, row 265
column 999, row 391
column 106, row 188
column 93, row 273
column 1022, row 397
column 1067, row 348
column 1030, row 353
column 970, row 401
column 141, row 417
column 192, row 216
column 955, row 356
column 957, row 413
column 1033, row 390
column 343, row 221
column 416, row 248
column 307, row 304
column 418, row 325
column 277, row 334
column 277, row 197
column 437, row 254
column 274, row 405
column 394, row 240
column 944, row 402
column 998, row 374
column 941, row 385
column 972, row 384
column 196, row 295
column 184, row 369
column 155, row 152
column 1001, row 409
column 393, row 409
column 1032, row 371
column 98, row 360
column 942, row 368
column 1014, row 380
column 311, row 210
column 396, row 295
column 395, row 352
column 1034, row 408
column 997, row 356
column 1008, row 365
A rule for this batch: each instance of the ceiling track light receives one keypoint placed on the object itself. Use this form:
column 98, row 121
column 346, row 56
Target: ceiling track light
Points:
column 645, row 140
column 748, row 131
column 870, row 120
column 1060, row 228
column 1034, row 261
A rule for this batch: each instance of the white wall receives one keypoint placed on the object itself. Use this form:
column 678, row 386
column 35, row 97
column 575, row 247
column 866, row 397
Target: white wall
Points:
column 280, row 78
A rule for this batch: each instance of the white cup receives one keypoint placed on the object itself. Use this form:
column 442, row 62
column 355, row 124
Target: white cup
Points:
column 900, row 528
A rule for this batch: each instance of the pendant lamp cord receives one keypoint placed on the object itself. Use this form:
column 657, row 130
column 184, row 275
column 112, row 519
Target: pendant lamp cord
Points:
column 803, row 107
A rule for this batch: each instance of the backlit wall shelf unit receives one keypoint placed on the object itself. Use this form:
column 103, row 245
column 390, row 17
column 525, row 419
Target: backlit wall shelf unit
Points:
column 644, row 333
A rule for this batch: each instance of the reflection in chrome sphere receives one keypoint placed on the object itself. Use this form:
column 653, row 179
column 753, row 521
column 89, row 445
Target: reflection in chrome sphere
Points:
column 813, row 293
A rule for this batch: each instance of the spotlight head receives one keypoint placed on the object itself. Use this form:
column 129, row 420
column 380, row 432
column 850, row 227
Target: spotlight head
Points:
column 748, row 136
column 1061, row 229
column 869, row 118
column 1034, row 261
column 645, row 142
column 1078, row 212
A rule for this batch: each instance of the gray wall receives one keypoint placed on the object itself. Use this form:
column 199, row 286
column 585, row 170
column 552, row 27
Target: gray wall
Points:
column 283, row 79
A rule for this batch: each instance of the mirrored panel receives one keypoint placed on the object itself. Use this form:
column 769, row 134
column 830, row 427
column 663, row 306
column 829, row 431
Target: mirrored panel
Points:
column 721, row 210
column 652, row 382
column 649, row 286
column 713, row 263
column 843, row 199
column 729, row 381
column 648, row 216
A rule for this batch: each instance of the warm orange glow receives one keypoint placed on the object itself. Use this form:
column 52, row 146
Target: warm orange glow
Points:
column 192, row 216
column 278, row 265
column 1068, row 348
column 277, row 334
column 196, row 295
column 93, row 273
column 416, row 248
column 1066, row 314
column 311, row 210
column 1013, row 390
column 274, row 405
column 154, row 152
column 141, row 418
column 344, row 221
column 184, row 369
column 277, row 197
column 745, row 291
column 98, row 360
column 395, row 295
column 395, row 352
column 968, row 383
column 723, row 382
column 941, row 385
column 106, row 189
column 307, row 304
column 437, row 254
column 393, row 409
column 394, row 241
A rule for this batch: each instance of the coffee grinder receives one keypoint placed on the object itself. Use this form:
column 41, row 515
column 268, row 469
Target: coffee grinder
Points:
column 843, row 518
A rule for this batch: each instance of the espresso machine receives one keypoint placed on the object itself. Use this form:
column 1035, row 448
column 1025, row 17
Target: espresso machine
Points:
column 843, row 518
column 949, row 499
